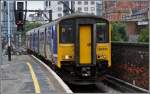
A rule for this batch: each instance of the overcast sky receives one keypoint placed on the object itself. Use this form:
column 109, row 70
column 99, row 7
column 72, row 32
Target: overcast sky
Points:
column 36, row 5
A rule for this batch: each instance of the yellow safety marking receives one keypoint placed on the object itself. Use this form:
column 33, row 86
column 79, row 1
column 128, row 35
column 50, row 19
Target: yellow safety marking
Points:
column 34, row 78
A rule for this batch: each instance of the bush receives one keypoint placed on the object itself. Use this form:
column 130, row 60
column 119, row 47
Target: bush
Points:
column 119, row 32
column 144, row 35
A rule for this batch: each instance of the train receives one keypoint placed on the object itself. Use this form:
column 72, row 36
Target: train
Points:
column 78, row 46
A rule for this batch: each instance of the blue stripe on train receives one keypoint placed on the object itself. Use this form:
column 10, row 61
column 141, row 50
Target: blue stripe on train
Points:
column 55, row 60
column 55, row 39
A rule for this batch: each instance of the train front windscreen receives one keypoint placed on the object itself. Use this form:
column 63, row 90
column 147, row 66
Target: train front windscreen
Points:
column 102, row 34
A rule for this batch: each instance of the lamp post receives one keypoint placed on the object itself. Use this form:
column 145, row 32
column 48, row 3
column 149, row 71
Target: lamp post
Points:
column 9, row 35
column 0, row 37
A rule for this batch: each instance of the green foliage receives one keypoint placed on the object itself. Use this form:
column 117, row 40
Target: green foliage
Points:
column 144, row 35
column 119, row 32
column 28, row 26
column 31, row 25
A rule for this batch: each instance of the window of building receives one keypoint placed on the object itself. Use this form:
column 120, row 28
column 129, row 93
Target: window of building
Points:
column 86, row 9
column 49, row 3
column 85, row 2
column 59, row 15
column 79, row 9
column 59, row 8
column 46, row 3
column 92, row 8
column 79, row 2
column 92, row 2
column 58, row 2
column 93, row 13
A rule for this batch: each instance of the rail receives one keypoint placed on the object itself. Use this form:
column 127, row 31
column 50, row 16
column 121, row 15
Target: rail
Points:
column 125, row 86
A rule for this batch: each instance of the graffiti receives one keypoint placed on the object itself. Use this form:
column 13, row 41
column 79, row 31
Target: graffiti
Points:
column 130, row 63
column 132, row 69
column 133, row 73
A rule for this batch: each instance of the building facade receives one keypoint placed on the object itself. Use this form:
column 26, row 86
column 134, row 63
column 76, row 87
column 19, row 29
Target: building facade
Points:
column 116, row 10
column 132, row 12
column 62, row 8
column 4, row 26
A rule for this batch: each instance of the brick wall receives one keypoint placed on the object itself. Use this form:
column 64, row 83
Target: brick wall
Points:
column 130, row 63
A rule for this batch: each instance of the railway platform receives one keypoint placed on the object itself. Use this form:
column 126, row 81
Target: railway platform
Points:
column 25, row 74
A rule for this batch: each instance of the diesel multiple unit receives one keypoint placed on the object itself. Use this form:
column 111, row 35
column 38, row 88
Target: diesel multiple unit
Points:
column 78, row 46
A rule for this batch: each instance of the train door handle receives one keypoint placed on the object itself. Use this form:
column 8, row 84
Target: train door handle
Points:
column 89, row 44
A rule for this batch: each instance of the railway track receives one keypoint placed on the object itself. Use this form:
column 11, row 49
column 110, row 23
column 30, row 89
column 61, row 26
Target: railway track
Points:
column 99, row 87
column 121, row 86
column 108, row 85
column 85, row 88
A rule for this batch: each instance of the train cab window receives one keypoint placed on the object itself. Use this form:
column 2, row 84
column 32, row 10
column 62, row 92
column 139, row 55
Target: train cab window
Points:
column 66, row 32
column 101, row 32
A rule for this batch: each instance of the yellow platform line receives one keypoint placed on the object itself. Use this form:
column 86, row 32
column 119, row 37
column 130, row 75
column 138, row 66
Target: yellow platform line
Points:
column 34, row 78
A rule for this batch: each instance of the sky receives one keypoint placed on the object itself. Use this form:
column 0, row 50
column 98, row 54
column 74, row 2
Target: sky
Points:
column 34, row 5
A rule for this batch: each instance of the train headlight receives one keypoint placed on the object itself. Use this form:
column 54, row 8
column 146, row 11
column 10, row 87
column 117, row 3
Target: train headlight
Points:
column 103, row 56
column 66, row 57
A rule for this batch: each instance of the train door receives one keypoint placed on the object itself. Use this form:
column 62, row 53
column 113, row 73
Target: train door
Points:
column 85, row 44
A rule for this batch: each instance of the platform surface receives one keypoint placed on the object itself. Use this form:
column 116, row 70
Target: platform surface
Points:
column 23, row 75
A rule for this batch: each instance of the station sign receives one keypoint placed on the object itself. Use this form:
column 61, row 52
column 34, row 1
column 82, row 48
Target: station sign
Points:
column 142, row 23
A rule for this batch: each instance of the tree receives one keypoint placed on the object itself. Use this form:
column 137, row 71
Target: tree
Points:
column 119, row 32
column 28, row 26
column 31, row 25
column 144, row 35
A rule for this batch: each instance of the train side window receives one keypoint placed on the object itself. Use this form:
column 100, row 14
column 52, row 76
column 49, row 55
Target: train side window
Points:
column 48, row 35
column 52, row 32
column 67, row 32
column 42, row 36
column 45, row 34
column 101, row 32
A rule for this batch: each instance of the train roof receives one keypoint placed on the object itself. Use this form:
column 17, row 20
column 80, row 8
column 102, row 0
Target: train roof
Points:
column 78, row 15
column 31, row 31
column 41, row 27
column 75, row 15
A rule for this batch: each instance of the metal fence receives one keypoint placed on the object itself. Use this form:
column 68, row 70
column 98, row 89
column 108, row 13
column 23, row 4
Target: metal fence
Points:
column 130, row 62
